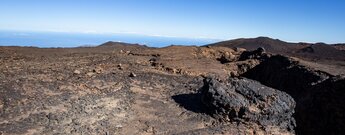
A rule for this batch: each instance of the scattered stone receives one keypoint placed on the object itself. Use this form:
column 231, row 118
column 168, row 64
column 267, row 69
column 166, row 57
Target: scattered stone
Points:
column 173, row 70
column 90, row 74
column 119, row 66
column 59, row 78
column 77, row 72
column 119, row 126
column 98, row 70
column 132, row 74
column 152, row 60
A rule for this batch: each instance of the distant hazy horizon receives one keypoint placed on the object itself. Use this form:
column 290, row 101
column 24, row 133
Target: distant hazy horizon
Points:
column 288, row 20
column 49, row 39
column 68, row 39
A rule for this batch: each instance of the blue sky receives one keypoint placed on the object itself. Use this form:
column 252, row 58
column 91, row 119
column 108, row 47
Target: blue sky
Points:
column 290, row 20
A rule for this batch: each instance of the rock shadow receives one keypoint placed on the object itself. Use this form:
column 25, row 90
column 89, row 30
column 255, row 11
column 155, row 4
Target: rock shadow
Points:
column 191, row 102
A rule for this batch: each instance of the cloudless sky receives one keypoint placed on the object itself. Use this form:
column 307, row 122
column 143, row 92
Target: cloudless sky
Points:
column 291, row 20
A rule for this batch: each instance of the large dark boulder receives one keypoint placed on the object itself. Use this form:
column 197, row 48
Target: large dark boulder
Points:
column 259, row 53
column 245, row 100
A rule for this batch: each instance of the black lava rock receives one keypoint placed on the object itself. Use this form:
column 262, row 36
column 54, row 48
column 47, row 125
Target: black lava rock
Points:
column 259, row 53
column 245, row 100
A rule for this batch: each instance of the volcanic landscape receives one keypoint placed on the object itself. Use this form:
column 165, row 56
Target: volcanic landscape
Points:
column 244, row 86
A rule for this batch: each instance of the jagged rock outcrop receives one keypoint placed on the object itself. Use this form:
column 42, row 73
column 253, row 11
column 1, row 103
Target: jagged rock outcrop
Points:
column 285, row 74
column 319, row 96
column 245, row 100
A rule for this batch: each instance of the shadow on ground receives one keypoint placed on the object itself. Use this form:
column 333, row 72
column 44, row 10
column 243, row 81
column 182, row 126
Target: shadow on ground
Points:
column 191, row 102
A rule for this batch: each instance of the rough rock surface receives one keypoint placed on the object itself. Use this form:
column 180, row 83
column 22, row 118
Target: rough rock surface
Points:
column 259, row 53
column 245, row 100
column 40, row 92
column 319, row 95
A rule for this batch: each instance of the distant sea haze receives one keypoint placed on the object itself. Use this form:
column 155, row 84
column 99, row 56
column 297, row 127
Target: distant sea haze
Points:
column 63, row 39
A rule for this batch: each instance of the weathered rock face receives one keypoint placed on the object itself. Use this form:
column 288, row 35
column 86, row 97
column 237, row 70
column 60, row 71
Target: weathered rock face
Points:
column 319, row 96
column 286, row 74
column 245, row 100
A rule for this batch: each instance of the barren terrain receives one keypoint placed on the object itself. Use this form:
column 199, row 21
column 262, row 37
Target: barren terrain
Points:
column 128, row 89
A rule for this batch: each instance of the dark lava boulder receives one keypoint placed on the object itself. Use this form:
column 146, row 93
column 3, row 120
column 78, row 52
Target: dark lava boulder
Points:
column 245, row 100
column 259, row 53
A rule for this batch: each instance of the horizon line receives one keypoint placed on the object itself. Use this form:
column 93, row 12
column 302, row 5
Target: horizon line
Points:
column 214, row 40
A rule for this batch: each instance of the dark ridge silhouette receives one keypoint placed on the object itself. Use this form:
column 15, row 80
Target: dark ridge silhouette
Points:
column 276, row 46
column 271, row 45
column 120, row 44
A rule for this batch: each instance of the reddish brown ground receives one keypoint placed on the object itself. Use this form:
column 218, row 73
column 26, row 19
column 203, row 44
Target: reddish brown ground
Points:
column 89, row 91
